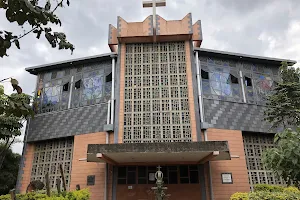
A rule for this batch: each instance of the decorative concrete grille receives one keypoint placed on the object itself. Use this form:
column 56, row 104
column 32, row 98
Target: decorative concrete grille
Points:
column 156, row 93
column 47, row 158
column 254, row 145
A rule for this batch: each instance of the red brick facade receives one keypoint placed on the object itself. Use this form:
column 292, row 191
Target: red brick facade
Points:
column 28, row 156
column 236, row 166
column 82, row 169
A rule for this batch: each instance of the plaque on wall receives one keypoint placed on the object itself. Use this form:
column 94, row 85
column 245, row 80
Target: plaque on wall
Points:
column 227, row 178
column 91, row 180
column 151, row 176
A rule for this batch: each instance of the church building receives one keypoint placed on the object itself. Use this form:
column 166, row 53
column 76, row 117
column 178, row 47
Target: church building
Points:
column 157, row 101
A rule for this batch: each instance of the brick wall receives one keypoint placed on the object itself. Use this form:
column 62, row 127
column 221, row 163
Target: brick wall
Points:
column 81, row 169
column 122, row 90
column 144, row 192
column 28, row 159
column 189, row 76
column 236, row 166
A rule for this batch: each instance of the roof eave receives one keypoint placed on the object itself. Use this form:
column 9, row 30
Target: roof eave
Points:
column 245, row 56
column 68, row 63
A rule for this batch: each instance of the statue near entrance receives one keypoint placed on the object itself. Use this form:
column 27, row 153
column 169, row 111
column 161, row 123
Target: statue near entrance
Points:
column 159, row 190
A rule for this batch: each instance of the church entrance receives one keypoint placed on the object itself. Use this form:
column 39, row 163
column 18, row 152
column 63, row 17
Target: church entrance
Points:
column 136, row 182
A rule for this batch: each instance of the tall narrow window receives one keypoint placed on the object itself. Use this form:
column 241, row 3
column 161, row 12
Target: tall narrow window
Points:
column 234, row 79
column 204, row 74
column 248, row 81
column 108, row 83
column 205, row 82
column 108, row 78
column 249, row 89
column 77, row 84
column 66, row 87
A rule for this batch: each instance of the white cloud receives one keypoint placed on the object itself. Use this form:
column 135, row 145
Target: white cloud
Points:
column 268, row 28
column 286, row 45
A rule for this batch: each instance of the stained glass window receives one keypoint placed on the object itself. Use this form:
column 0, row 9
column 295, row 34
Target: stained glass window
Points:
column 264, row 84
column 259, row 81
column 51, row 95
column 220, row 82
column 93, row 86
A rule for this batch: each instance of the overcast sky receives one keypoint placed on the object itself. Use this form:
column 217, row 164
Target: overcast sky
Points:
column 259, row 27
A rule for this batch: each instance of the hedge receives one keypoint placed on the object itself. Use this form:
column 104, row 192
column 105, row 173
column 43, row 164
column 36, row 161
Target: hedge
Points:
column 83, row 194
column 269, row 192
column 268, row 188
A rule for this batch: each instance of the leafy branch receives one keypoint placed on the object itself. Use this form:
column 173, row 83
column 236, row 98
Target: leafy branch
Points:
column 283, row 105
column 14, row 110
column 30, row 12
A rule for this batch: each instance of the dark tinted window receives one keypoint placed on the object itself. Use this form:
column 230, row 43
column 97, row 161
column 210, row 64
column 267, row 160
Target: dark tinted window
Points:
column 184, row 171
column 194, row 177
column 173, row 178
column 234, row 79
column 204, row 74
column 122, row 172
column 248, row 81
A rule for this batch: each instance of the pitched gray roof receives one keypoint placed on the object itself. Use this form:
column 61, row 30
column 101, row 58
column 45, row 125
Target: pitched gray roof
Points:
column 202, row 51
column 68, row 63
column 207, row 52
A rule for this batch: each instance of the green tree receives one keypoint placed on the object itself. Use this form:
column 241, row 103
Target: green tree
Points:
column 14, row 110
column 283, row 106
column 284, row 159
column 283, row 109
column 9, row 171
column 40, row 18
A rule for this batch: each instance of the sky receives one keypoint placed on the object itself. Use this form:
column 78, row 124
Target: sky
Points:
column 259, row 27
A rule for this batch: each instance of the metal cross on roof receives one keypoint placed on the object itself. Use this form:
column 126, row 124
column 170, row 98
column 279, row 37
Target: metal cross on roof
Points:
column 154, row 4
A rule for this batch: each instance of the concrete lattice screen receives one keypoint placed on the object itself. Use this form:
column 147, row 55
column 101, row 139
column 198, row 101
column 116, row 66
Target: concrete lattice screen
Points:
column 156, row 93
column 48, row 156
column 254, row 145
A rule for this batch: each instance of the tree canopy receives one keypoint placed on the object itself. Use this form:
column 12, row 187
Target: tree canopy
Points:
column 40, row 18
column 14, row 110
column 284, row 159
column 9, row 171
column 283, row 107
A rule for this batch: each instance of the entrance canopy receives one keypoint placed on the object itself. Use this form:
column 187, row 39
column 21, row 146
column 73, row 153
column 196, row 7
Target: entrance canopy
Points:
column 158, row 153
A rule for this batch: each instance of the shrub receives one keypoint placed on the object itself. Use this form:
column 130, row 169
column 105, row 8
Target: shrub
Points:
column 269, row 192
column 291, row 189
column 83, row 194
column 5, row 197
column 273, row 196
column 267, row 188
column 31, row 196
column 239, row 196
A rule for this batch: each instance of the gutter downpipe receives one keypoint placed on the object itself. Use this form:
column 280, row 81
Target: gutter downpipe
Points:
column 199, row 87
column 106, row 142
column 110, row 119
column 112, row 91
column 202, row 119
